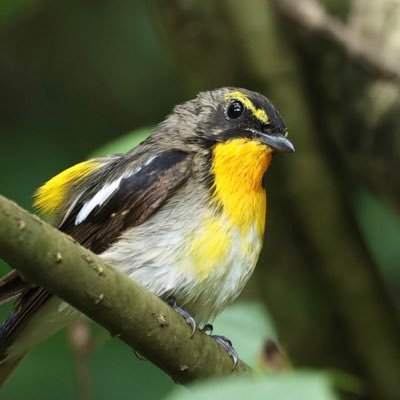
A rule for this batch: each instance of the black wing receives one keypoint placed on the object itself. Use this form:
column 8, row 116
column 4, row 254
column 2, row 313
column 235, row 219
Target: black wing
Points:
column 138, row 195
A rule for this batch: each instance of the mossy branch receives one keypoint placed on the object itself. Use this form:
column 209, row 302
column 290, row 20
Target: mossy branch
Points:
column 47, row 257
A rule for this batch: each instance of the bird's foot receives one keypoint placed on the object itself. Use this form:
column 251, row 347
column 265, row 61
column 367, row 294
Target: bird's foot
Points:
column 224, row 342
column 227, row 345
column 171, row 301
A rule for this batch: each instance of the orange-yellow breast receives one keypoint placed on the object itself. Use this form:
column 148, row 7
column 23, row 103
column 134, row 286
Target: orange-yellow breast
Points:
column 224, row 248
column 238, row 167
column 230, row 238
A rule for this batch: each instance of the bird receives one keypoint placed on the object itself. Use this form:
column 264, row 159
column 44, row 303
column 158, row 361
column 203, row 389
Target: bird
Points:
column 182, row 214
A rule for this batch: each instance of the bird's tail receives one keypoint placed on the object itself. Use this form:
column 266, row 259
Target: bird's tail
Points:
column 19, row 333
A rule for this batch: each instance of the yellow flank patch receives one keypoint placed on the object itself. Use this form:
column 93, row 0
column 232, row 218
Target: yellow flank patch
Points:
column 210, row 248
column 259, row 113
column 238, row 167
column 50, row 196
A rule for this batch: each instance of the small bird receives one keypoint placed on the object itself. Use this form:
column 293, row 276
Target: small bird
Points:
column 182, row 214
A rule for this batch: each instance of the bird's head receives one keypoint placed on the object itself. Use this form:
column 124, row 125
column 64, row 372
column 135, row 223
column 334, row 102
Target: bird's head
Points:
column 227, row 114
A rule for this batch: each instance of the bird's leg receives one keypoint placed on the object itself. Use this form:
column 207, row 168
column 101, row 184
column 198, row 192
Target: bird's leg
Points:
column 224, row 342
column 171, row 301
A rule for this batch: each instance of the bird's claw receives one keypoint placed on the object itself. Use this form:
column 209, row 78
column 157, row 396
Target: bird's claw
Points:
column 207, row 329
column 227, row 345
column 171, row 301
column 224, row 342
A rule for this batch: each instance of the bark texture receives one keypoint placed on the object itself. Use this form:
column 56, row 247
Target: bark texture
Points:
column 47, row 257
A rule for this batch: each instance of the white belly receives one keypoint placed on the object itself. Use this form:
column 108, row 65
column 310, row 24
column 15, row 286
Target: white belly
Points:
column 204, row 278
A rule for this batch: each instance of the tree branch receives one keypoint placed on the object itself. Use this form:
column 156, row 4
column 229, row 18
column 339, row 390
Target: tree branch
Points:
column 311, row 16
column 45, row 256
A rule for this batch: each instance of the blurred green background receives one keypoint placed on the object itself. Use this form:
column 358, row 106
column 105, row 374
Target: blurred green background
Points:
column 77, row 75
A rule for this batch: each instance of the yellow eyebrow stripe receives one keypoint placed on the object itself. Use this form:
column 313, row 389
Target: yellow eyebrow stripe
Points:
column 50, row 196
column 259, row 113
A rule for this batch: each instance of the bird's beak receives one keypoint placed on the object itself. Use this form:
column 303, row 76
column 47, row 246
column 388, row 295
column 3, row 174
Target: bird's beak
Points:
column 278, row 142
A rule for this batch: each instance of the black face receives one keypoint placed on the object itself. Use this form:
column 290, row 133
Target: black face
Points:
column 248, row 114
column 253, row 112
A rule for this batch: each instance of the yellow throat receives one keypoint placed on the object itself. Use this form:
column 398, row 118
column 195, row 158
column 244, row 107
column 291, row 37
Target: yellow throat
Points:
column 238, row 167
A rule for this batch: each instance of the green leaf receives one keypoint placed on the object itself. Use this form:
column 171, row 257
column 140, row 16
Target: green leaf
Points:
column 302, row 385
column 124, row 143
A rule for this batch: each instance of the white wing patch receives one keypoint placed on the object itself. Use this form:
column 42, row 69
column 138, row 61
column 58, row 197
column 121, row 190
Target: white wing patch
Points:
column 147, row 163
column 97, row 200
column 105, row 193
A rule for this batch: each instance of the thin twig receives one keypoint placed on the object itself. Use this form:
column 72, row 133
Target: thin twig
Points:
column 81, row 342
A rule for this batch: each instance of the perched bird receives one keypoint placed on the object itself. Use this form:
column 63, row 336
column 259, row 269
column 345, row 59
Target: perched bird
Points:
column 182, row 214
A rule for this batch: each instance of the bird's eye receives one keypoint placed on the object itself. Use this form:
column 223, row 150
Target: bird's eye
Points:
column 235, row 110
